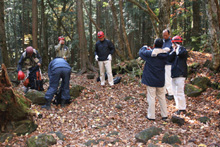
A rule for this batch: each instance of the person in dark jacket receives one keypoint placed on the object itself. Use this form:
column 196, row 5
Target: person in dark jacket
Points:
column 103, row 54
column 178, row 57
column 31, row 61
column 58, row 69
column 168, row 80
column 154, row 77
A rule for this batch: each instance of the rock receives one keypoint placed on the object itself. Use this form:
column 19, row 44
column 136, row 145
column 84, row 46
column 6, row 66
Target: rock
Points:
column 202, row 82
column 218, row 96
column 118, row 106
column 152, row 145
column 145, row 135
column 90, row 76
column 91, row 143
column 204, row 119
column 192, row 91
column 60, row 135
column 42, row 140
column 36, row 97
column 113, row 133
column 143, row 95
column 24, row 127
column 193, row 68
column 178, row 120
column 171, row 139
column 215, row 85
column 128, row 98
column 76, row 90
column 208, row 64
column 5, row 136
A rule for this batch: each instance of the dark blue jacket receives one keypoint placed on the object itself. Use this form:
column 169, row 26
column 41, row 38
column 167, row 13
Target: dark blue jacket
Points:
column 154, row 69
column 103, row 49
column 179, row 65
column 57, row 63
column 32, row 62
column 167, row 43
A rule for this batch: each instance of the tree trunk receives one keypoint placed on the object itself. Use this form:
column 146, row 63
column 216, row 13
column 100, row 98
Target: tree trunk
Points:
column 84, row 61
column 15, row 35
column 124, row 31
column 214, row 33
column 34, row 24
column 164, row 16
column 44, row 35
column 91, row 52
column 3, row 44
column 116, row 24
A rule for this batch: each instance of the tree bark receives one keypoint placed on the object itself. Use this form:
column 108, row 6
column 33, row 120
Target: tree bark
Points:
column 124, row 31
column 91, row 52
column 3, row 44
column 34, row 23
column 214, row 33
column 196, row 23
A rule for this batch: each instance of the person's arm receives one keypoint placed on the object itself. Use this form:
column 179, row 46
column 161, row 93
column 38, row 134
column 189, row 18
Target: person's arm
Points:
column 144, row 53
column 39, row 57
column 20, row 62
column 172, row 55
column 182, row 52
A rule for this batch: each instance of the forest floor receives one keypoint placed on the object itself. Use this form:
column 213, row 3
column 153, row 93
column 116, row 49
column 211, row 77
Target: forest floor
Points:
column 102, row 113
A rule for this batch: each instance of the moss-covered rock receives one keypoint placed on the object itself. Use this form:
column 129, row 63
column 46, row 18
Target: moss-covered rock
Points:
column 25, row 126
column 91, row 142
column 75, row 90
column 42, row 140
column 218, row 96
column 178, row 120
column 202, row 82
column 204, row 119
column 171, row 139
column 5, row 136
column 90, row 76
column 36, row 97
column 152, row 145
column 192, row 91
column 145, row 135
column 193, row 68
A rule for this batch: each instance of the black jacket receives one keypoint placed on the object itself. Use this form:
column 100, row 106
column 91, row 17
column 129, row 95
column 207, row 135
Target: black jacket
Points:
column 103, row 49
column 179, row 65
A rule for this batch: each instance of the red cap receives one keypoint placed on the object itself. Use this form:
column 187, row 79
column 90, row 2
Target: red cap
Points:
column 100, row 35
column 21, row 75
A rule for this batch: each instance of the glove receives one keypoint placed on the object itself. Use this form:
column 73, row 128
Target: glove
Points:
column 96, row 57
column 109, row 57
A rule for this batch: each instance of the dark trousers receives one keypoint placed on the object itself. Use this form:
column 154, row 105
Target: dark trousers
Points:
column 56, row 75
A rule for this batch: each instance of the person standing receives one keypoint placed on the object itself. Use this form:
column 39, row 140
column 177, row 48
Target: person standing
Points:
column 178, row 57
column 104, row 49
column 168, row 79
column 154, row 77
column 61, row 49
column 58, row 69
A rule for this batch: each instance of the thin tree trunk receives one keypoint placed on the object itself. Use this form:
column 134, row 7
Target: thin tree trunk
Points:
column 91, row 52
column 3, row 44
column 124, row 31
column 34, row 23
column 15, row 35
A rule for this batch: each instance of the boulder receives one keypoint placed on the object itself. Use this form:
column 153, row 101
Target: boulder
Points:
column 171, row 139
column 91, row 143
column 90, row 76
column 5, row 136
column 152, row 145
column 36, row 97
column 204, row 119
column 202, row 82
column 60, row 135
column 192, row 91
column 42, row 140
column 178, row 120
column 24, row 127
column 76, row 90
column 193, row 68
column 145, row 135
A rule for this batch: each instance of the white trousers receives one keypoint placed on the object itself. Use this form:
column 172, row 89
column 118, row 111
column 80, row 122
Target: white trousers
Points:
column 168, row 80
column 152, row 93
column 178, row 91
column 102, row 66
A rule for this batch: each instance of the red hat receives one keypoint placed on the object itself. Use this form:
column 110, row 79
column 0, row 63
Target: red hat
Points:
column 29, row 50
column 61, row 38
column 177, row 39
column 21, row 75
column 100, row 35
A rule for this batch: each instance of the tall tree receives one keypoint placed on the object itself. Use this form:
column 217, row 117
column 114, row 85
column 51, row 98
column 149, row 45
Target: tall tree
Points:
column 91, row 52
column 3, row 44
column 34, row 23
column 214, row 32
column 196, row 31
column 84, row 61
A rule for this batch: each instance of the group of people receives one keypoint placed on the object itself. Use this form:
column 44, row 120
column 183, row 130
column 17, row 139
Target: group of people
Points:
column 165, row 70
column 59, row 68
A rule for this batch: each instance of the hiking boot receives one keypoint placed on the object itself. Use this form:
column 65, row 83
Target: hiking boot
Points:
column 63, row 103
column 150, row 119
column 47, row 105
column 178, row 112
column 170, row 97
column 164, row 118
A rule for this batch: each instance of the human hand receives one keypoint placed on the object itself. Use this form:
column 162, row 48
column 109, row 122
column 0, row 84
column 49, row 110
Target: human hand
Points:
column 109, row 57
column 39, row 64
column 96, row 57
column 61, row 42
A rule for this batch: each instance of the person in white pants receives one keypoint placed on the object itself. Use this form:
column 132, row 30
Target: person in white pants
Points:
column 154, row 77
column 178, row 57
column 103, row 54
column 168, row 80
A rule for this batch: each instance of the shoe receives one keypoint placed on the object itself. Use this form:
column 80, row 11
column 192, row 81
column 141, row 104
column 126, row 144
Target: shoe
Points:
column 47, row 105
column 63, row 103
column 164, row 118
column 178, row 112
column 150, row 119
column 170, row 97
